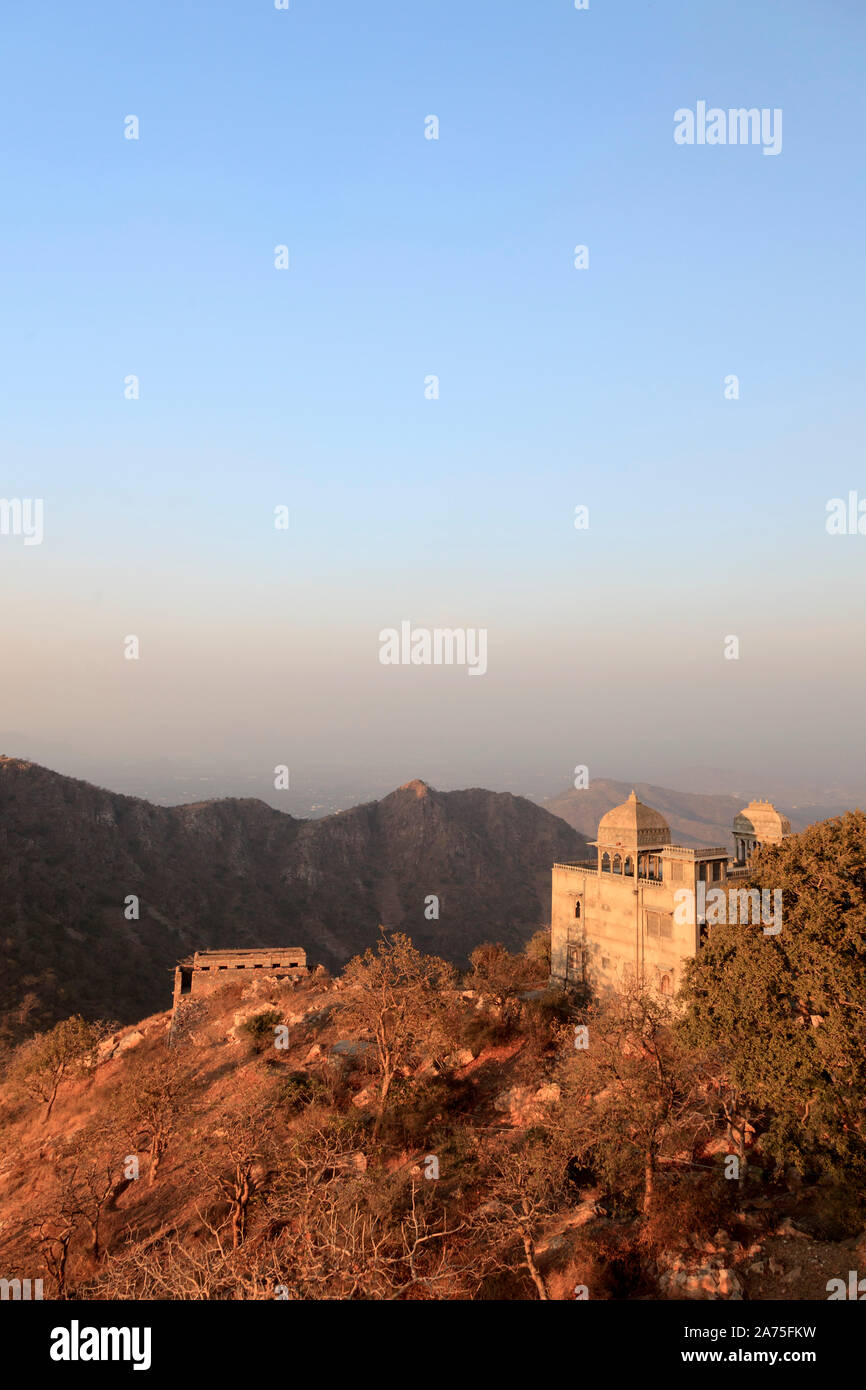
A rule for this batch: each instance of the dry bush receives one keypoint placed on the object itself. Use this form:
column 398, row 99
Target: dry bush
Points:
column 834, row 1212
column 421, row 1113
column 298, row 1089
column 150, row 1101
column 606, row 1258
column 537, row 950
column 498, row 973
column 687, row 1204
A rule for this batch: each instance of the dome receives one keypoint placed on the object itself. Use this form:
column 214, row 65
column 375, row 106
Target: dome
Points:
column 633, row 825
column 761, row 819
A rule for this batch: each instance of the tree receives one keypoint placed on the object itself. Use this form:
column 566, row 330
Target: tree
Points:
column 788, row 1010
column 237, row 1167
column 54, row 1236
column 398, row 995
column 48, row 1059
column 149, row 1103
column 87, row 1186
column 345, row 1230
column 537, row 949
column 524, row 1187
column 498, row 973
column 634, row 1096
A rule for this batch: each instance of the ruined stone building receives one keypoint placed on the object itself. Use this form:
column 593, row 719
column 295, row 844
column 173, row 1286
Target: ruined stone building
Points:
column 206, row 971
column 612, row 918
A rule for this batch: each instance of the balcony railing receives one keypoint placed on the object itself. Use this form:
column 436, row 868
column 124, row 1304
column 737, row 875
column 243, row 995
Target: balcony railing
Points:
column 693, row 852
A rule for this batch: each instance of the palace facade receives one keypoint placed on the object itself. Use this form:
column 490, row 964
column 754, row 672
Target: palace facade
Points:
column 612, row 918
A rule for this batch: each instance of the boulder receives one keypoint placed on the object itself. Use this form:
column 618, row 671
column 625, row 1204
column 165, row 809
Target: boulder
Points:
column 462, row 1057
column 524, row 1106
column 705, row 1281
column 350, row 1047
column 787, row 1228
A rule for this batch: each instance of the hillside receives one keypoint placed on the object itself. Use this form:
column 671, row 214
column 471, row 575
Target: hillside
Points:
column 236, row 873
column 693, row 819
column 263, row 1174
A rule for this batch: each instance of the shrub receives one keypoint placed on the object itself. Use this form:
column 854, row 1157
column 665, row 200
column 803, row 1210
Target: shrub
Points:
column 833, row 1213
column 495, row 971
column 480, row 1032
column 543, row 1018
column 260, row 1029
column 605, row 1258
column 299, row 1089
column 420, row 1113
column 691, row 1204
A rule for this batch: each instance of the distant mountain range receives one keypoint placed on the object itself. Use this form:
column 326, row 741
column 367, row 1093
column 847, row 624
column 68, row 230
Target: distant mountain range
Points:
column 694, row 820
column 236, row 872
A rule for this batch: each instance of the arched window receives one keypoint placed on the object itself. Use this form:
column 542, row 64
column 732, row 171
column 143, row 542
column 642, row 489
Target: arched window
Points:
column 617, row 864
column 605, row 863
column 577, row 909
column 628, row 867
column 665, row 984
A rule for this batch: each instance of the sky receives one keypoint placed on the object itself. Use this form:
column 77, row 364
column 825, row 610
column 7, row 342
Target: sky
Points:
column 149, row 266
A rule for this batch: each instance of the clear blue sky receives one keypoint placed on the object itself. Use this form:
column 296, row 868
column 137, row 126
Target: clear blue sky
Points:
column 409, row 257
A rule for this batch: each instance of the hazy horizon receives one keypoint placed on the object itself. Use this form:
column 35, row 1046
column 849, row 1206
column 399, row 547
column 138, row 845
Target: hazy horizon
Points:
column 256, row 388
column 169, row 782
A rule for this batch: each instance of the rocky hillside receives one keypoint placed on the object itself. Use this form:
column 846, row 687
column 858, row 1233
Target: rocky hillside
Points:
column 261, row 1173
column 239, row 873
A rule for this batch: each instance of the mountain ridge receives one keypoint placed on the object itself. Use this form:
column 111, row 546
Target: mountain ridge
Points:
column 238, row 872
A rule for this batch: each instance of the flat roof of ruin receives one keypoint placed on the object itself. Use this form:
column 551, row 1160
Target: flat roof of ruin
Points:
column 242, row 953
column 252, row 951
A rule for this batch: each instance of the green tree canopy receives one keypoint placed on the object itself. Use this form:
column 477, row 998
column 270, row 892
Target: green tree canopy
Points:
column 787, row 1012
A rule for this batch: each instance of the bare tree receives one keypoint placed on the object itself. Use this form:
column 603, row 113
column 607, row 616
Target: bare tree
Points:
column 633, row 1095
column 150, row 1102
column 524, row 1185
column 54, row 1236
column 398, row 996
column 236, row 1167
